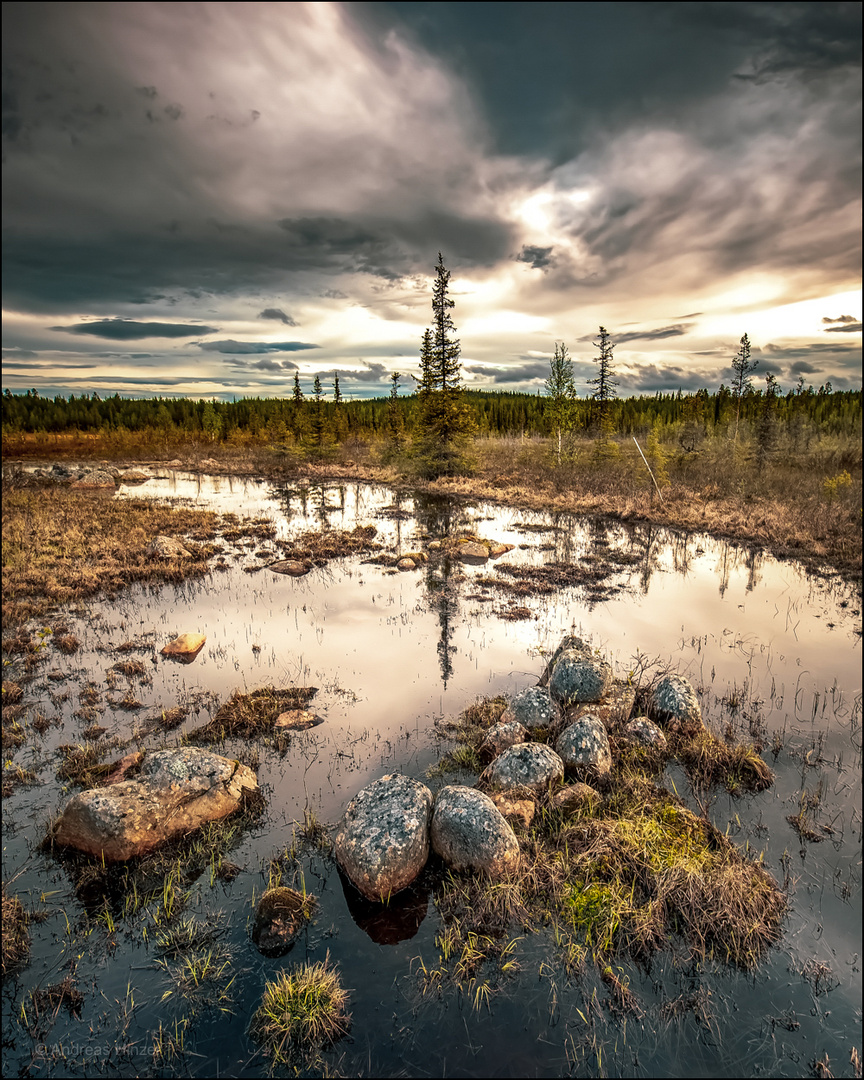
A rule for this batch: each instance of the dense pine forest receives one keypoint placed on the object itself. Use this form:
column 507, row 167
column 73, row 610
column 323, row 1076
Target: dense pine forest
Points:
column 684, row 418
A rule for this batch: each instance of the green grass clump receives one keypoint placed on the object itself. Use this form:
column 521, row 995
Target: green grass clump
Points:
column 709, row 761
column 16, row 938
column 301, row 1011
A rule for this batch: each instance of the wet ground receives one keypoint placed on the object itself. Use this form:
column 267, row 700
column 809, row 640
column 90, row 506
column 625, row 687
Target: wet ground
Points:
column 774, row 651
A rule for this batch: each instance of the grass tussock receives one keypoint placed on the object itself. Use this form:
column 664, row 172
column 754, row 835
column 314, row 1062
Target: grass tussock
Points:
column 62, row 995
column 84, row 764
column 709, row 762
column 16, row 937
column 251, row 715
column 302, row 1010
column 318, row 548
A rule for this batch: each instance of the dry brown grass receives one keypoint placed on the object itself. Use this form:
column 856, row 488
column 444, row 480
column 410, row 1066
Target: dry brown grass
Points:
column 61, row 545
column 16, row 939
column 251, row 715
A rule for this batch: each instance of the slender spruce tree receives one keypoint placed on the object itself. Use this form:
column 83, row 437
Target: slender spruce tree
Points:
column 742, row 384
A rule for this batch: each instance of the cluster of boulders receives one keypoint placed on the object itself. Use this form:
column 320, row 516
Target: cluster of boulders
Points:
column 551, row 742
column 103, row 475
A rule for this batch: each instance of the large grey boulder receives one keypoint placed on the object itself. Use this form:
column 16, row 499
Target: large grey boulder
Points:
column 470, row 833
column 533, row 708
column 528, row 765
column 584, row 748
column 382, row 841
column 578, row 678
column 675, row 704
column 175, row 792
column 568, row 643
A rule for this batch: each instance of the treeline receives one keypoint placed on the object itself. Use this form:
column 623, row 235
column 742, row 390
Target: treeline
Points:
column 689, row 417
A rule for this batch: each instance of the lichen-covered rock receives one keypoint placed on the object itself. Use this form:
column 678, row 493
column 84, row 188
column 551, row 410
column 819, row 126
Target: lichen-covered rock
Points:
column 471, row 551
column 584, row 747
column 94, row 478
column 175, row 792
column 470, row 833
column 279, row 917
column 568, row 642
column 576, row 798
column 644, row 732
column 382, row 842
column 515, row 812
column 500, row 738
column 613, row 709
column 168, row 547
column 528, row 765
column 132, row 476
column 578, row 678
column 534, row 709
column 675, row 704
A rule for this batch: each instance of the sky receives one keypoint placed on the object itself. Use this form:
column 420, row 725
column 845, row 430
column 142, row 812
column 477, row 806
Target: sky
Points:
column 201, row 199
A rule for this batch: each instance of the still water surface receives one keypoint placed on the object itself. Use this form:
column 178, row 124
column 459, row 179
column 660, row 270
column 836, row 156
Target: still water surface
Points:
column 773, row 650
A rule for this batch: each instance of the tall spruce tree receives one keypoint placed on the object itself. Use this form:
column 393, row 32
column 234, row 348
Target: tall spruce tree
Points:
column 444, row 420
column 604, row 382
column 742, row 384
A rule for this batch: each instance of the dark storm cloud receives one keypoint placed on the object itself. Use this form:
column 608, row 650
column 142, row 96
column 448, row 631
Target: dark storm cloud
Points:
column 537, row 257
column 553, row 77
column 278, row 314
column 840, row 319
column 127, row 330
column 239, row 348
column 677, row 330
column 848, row 328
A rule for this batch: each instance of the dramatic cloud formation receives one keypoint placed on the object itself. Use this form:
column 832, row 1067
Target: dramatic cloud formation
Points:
column 303, row 164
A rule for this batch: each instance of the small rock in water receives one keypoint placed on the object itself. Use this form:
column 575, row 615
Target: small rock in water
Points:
column 406, row 564
column 292, row 567
column 472, row 552
column 185, row 647
column 470, row 833
column 297, row 720
column 279, row 918
column 168, row 547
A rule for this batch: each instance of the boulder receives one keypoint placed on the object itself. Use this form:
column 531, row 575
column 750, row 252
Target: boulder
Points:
column 406, row 564
column 530, row 765
column 501, row 737
column 514, row 811
column 292, row 567
column 577, row 678
column 168, row 547
column 675, row 704
column 471, row 551
column 571, row 642
column 175, row 792
column 382, row 841
column 643, row 732
column 584, row 747
column 279, row 917
column 133, row 476
column 534, row 709
column 94, row 478
column 297, row 720
column 470, row 833
column 613, row 708
column 576, row 798
column 185, row 647
column 496, row 549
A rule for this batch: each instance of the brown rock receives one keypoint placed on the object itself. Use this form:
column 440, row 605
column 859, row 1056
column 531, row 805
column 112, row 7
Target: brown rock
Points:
column 168, row 547
column 292, row 567
column 472, row 552
column 297, row 720
column 406, row 564
column 186, row 646
column 515, row 811
column 280, row 916
column 175, row 792
column 123, row 767
column 496, row 549
column 133, row 476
